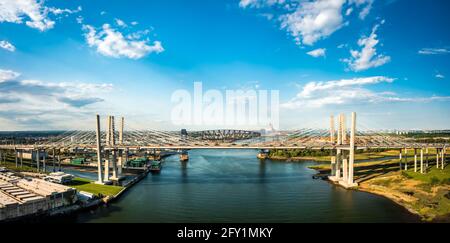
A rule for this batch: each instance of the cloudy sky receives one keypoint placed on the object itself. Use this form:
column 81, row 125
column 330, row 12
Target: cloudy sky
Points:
column 62, row 61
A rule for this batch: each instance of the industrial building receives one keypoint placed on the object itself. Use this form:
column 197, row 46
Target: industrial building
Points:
column 24, row 197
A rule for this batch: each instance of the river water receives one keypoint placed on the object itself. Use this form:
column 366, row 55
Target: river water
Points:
column 234, row 186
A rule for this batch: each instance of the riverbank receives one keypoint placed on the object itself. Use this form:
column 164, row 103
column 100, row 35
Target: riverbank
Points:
column 322, row 157
column 428, row 199
column 426, row 195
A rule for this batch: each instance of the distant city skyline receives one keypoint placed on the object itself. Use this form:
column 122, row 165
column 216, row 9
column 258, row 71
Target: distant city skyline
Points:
column 62, row 62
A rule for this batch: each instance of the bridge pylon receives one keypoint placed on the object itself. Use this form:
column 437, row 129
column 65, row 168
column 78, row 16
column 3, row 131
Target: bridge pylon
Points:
column 345, row 156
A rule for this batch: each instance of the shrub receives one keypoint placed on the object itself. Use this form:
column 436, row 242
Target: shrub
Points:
column 434, row 180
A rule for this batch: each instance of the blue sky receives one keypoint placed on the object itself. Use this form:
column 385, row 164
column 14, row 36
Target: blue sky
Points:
column 63, row 61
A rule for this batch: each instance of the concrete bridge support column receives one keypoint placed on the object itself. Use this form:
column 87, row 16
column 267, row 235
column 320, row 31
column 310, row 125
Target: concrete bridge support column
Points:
column 53, row 159
column 352, row 151
column 406, row 159
column 122, row 124
column 437, row 158
column 427, row 163
column 333, row 166
column 15, row 157
column 37, row 160
column 348, row 163
column 415, row 160
column 338, row 158
column 106, row 176
column 400, row 159
column 119, row 164
column 126, row 156
column 114, row 151
column 339, row 151
column 421, row 161
column 114, row 165
column 443, row 158
column 338, row 164
column 344, row 130
column 43, row 162
column 332, row 141
column 21, row 158
column 99, row 152
column 345, row 170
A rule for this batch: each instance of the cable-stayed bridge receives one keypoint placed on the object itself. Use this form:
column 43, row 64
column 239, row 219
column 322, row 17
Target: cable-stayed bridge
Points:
column 342, row 139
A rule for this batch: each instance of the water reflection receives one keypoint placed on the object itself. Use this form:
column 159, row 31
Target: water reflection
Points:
column 234, row 186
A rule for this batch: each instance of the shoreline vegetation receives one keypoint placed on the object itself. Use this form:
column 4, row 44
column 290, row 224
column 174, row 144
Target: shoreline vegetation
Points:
column 426, row 195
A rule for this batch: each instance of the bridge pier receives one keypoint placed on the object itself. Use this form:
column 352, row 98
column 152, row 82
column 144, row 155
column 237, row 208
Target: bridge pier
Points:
column 437, row 158
column 99, row 152
column 344, row 170
column 119, row 164
column 15, row 157
column 343, row 159
column 37, row 160
column 421, row 160
column 415, row 160
column 184, row 156
column 443, row 158
column 53, row 160
column 332, row 141
column 333, row 166
column 59, row 162
column 106, row 175
column 21, row 157
column 406, row 159
column 43, row 161
column 348, row 182
column 263, row 154
column 336, row 177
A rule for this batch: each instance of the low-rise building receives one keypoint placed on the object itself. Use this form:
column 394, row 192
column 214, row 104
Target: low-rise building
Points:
column 28, row 196
column 59, row 178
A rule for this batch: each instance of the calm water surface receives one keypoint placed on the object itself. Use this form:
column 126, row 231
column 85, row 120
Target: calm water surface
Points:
column 234, row 186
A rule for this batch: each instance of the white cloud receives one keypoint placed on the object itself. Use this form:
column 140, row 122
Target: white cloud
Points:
column 347, row 92
column 80, row 19
column 259, row 3
column 42, row 103
column 7, row 46
column 134, row 23
column 366, row 7
column 440, row 76
column 433, row 51
column 367, row 57
column 121, row 23
column 312, row 87
column 112, row 43
column 33, row 12
column 313, row 21
column 348, row 11
column 8, row 75
column 317, row 52
column 58, row 11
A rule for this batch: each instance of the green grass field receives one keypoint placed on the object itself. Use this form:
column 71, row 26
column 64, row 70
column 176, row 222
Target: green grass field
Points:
column 433, row 176
column 86, row 185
